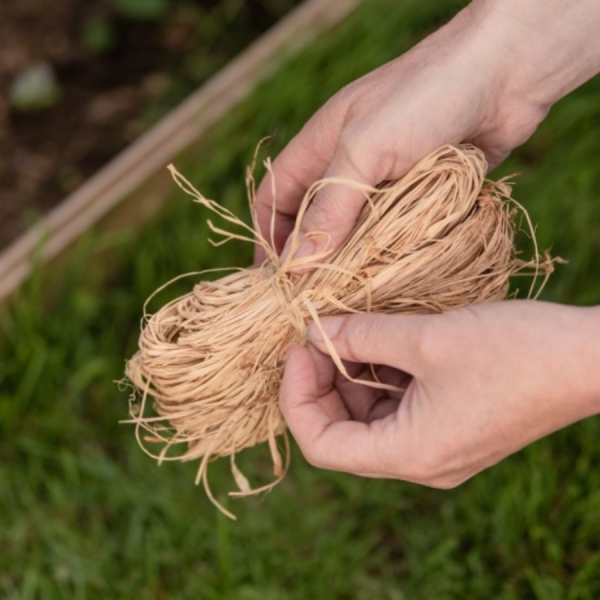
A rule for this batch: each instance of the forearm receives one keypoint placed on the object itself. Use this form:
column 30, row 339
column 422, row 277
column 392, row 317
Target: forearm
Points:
column 549, row 47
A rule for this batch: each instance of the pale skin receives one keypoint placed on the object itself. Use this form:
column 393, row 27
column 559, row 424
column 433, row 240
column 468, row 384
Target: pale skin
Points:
column 481, row 382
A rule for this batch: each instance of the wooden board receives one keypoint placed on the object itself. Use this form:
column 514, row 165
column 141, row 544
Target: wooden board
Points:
column 138, row 175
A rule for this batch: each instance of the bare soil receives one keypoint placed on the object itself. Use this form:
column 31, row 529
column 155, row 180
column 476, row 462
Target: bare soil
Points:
column 117, row 74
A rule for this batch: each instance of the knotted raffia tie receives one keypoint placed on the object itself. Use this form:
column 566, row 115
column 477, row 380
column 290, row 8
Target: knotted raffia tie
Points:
column 438, row 239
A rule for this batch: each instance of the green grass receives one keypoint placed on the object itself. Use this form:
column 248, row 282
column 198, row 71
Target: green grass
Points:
column 84, row 514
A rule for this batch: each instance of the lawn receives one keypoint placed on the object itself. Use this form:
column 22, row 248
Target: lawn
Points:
column 84, row 514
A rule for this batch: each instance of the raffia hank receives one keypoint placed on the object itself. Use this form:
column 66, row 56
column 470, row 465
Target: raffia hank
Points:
column 440, row 238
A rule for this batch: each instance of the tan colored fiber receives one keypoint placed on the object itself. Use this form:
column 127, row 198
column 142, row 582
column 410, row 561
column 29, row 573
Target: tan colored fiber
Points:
column 440, row 238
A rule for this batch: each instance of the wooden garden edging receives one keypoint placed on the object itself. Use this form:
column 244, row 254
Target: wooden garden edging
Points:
column 139, row 171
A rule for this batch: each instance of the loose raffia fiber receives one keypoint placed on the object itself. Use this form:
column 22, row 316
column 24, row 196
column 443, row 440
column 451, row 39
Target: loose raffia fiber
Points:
column 440, row 238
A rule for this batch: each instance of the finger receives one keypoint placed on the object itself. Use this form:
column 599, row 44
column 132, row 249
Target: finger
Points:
column 322, row 372
column 393, row 340
column 365, row 403
column 359, row 399
column 340, row 445
column 395, row 377
column 335, row 208
column 383, row 374
column 341, row 397
column 302, row 162
column 384, row 408
column 325, row 370
column 326, row 373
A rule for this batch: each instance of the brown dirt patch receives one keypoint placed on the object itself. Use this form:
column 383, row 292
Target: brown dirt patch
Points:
column 117, row 74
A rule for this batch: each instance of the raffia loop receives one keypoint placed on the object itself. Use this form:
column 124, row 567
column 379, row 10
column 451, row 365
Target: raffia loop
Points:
column 440, row 238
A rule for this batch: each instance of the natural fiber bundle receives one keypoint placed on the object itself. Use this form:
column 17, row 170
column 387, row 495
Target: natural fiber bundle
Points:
column 438, row 239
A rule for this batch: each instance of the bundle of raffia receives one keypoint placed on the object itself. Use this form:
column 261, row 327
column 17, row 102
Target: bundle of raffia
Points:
column 439, row 238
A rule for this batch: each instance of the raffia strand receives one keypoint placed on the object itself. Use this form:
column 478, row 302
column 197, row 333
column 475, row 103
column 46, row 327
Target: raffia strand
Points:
column 207, row 374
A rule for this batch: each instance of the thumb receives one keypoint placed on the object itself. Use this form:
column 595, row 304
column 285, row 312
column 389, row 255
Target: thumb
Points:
column 376, row 338
column 335, row 208
column 342, row 445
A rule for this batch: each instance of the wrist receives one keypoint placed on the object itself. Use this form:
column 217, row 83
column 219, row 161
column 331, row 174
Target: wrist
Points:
column 548, row 47
column 485, row 62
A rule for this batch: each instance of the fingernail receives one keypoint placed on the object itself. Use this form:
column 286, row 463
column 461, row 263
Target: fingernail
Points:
column 306, row 247
column 331, row 327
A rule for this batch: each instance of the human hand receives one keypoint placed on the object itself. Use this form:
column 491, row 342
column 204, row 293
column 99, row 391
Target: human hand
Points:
column 448, row 89
column 480, row 383
column 487, row 77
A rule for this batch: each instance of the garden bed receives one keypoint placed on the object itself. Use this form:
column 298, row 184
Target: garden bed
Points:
column 81, row 80
column 137, row 176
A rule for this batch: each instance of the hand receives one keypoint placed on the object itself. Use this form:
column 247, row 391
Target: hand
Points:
column 488, row 77
column 449, row 88
column 480, row 383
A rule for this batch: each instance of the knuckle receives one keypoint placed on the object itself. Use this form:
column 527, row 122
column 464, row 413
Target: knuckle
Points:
column 357, row 149
column 318, row 136
column 429, row 343
column 325, row 211
column 441, row 338
column 358, row 333
column 344, row 98
column 312, row 457
column 436, row 469
column 327, row 124
column 348, row 99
